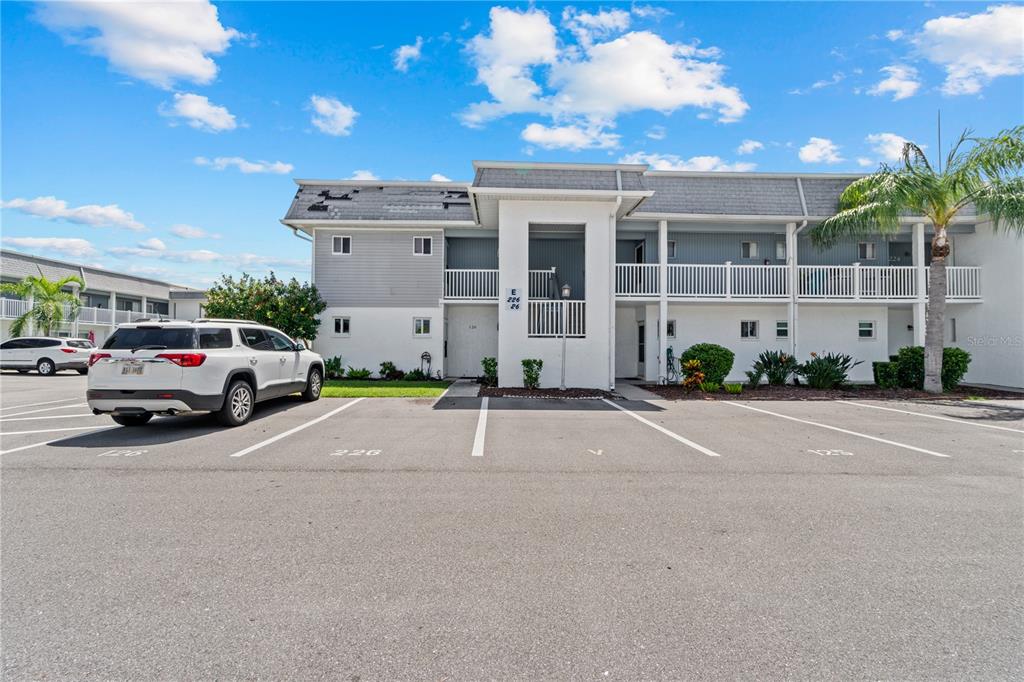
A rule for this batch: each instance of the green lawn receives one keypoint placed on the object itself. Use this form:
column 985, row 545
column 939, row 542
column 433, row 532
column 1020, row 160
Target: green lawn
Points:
column 358, row 388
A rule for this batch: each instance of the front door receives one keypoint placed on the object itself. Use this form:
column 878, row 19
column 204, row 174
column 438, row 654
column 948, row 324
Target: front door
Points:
column 641, row 348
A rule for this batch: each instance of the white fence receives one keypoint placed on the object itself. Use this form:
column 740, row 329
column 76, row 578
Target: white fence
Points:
column 547, row 318
column 893, row 282
column 639, row 279
column 11, row 308
column 728, row 281
column 962, row 282
column 471, row 284
column 541, row 283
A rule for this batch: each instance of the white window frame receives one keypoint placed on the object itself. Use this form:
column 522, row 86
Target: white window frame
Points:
column 874, row 330
column 751, row 248
column 868, row 249
column 339, row 329
column 417, row 327
column 421, row 241
column 671, row 248
column 341, row 240
column 670, row 329
column 757, row 330
column 780, row 250
column 785, row 324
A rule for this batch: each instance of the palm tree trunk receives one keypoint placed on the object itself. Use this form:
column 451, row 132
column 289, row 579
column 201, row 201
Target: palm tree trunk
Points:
column 935, row 321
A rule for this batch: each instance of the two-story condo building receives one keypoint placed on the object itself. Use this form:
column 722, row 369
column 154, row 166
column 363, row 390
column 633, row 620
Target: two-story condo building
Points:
column 628, row 263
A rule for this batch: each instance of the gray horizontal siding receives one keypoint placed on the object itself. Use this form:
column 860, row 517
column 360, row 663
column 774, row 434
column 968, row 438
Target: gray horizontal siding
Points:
column 381, row 271
column 709, row 248
column 844, row 252
column 472, row 253
column 567, row 256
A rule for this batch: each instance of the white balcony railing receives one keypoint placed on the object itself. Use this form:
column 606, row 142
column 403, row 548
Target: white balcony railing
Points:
column 546, row 318
column 471, row 284
column 962, row 281
column 541, row 283
column 12, row 308
column 728, row 281
column 639, row 279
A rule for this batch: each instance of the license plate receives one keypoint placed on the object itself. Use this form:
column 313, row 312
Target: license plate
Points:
column 134, row 368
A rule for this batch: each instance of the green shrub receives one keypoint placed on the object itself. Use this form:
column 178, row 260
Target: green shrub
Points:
column 827, row 371
column 416, row 375
column 358, row 373
column 490, row 366
column 389, row 372
column 715, row 361
column 734, row 389
column 884, row 374
column 910, row 367
column 754, row 376
column 333, row 368
column 710, row 387
column 776, row 365
column 531, row 372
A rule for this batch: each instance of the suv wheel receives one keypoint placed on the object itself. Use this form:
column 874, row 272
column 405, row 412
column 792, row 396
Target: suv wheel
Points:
column 238, row 404
column 46, row 368
column 132, row 419
column 314, row 385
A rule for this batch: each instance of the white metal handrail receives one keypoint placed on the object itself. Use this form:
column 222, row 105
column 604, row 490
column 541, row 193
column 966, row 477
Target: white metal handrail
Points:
column 463, row 283
column 757, row 281
column 636, row 279
column 13, row 307
column 546, row 318
column 962, row 281
column 540, row 283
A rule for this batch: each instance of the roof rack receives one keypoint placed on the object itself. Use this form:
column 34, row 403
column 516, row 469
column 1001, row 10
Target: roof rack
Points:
column 222, row 319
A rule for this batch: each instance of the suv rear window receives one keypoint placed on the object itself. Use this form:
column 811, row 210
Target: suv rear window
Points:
column 80, row 343
column 177, row 338
column 215, row 337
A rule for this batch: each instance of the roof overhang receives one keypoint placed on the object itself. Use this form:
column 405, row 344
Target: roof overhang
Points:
column 452, row 184
column 308, row 226
column 486, row 199
column 735, row 218
column 529, row 165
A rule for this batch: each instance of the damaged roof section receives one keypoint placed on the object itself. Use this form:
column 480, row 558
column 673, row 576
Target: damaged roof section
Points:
column 390, row 201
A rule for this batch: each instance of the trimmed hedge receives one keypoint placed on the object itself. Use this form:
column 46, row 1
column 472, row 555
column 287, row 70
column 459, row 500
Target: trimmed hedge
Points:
column 885, row 374
column 715, row 361
column 909, row 367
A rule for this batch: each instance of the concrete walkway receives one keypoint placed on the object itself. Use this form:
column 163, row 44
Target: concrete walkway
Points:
column 630, row 390
column 463, row 388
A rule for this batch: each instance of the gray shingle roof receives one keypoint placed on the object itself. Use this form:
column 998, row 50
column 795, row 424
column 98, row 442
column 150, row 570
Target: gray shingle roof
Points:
column 380, row 202
column 822, row 194
column 557, row 178
column 722, row 195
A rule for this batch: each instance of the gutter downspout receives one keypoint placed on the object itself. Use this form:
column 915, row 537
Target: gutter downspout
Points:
column 794, row 307
column 611, row 280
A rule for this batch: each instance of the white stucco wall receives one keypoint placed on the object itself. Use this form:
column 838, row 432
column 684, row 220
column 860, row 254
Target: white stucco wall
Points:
column 899, row 335
column 379, row 334
column 830, row 328
column 588, row 362
column 991, row 331
column 626, row 318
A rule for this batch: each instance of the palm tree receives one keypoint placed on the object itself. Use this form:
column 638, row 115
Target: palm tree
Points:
column 48, row 301
column 983, row 172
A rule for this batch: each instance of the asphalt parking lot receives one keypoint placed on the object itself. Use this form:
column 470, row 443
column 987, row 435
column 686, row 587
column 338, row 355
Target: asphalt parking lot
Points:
column 510, row 538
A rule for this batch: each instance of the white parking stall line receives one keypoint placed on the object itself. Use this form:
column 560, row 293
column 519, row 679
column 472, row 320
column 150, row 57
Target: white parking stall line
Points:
column 658, row 427
column 99, row 429
column 48, row 402
column 481, row 430
column 966, row 422
column 836, row 428
column 45, row 409
column 300, row 427
column 49, row 416
column 63, row 428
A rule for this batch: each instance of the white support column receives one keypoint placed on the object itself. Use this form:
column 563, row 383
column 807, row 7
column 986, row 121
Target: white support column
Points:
column 921, row 284
column 113, row 309
column 793, row 282
column 612, row 227
column 31, row 324
column 663, row 300
column 145, row 304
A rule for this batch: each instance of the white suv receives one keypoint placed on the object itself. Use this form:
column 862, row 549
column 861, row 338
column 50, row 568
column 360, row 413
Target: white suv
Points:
column 222, row 366
column 45, row 354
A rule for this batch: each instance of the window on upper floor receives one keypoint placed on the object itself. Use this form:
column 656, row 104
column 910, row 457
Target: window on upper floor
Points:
column 748, row 249
column 422, row 246
column 867, row 251
column 341, row 245
column 671, row 248
column 780, row 250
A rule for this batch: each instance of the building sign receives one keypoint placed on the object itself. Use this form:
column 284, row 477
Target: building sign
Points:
column 513, row 299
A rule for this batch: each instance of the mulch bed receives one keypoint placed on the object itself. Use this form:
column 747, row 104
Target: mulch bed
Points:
column 572, row 393
column 859, row 392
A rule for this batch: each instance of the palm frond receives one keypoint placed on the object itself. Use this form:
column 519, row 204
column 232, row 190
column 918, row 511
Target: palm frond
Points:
column 997, row 156
column 1003, row 202
column 914, row 156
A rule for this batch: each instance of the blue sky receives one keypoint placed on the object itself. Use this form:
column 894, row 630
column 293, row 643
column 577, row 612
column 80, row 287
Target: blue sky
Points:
column 172, row 155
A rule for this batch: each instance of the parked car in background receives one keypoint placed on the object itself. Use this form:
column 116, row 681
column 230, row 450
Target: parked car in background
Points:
column 45, row 354
column 208, row 365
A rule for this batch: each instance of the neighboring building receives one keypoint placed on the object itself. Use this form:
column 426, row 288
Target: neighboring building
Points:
column 654, row 260
column 108, row 299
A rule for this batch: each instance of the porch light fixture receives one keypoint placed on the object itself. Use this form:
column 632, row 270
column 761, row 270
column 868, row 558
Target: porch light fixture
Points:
column 566, row 290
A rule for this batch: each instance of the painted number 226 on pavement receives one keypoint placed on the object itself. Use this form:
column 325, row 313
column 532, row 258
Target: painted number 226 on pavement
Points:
column 355, row 453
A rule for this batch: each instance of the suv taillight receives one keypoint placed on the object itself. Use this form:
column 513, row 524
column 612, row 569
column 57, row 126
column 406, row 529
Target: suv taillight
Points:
column 184, row 359
column 96, row 357
column 68, row 350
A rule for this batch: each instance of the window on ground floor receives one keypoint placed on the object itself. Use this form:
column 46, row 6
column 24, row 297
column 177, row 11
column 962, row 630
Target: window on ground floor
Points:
column 671, row 329
column 782, row 329
column 866, row 329
column 421, row 326
column 748, row 329
column 342, row 326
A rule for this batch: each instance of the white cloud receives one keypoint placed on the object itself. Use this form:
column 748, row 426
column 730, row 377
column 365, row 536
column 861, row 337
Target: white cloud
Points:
column 183, row 231
column 332, row 116
column 437, row 177
column 153, row 243
column 591, row 81
column 864, row 162
column 656, row 132
column 158, row 42
column 199, row 113
column 52, row 208
column 820, row 150
column 69, row 246
column 836, row 78
column 250, row 261
column 888, row 146
column 363, row 174
column 222, row 162
column 408, row 53
column 894, row 34
column 974, row 49
column 671, row 162
column 649, row 12
column 901, row 80
column 572, row 137
column 749, row 147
